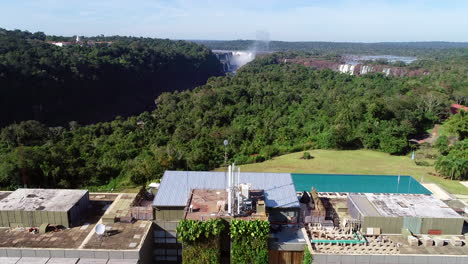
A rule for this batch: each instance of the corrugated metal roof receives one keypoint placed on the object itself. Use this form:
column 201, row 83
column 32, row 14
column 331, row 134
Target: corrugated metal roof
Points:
column 176, row 186
column 363, row 205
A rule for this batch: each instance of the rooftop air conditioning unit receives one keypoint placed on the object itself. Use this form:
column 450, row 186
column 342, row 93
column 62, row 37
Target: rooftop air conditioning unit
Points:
column 245, row 188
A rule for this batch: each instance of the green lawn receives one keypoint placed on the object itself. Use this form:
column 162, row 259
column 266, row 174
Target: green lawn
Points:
column 353, row 162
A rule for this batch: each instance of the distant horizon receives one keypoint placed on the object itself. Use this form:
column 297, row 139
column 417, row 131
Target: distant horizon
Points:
column 220, row 40
column 367, row 21
column 326, row 41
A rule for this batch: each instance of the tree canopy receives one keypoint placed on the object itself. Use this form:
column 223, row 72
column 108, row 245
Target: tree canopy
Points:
column 458, row 124
column 90, row 82
column 324, row 47
column 455, row 163
column 266, row 109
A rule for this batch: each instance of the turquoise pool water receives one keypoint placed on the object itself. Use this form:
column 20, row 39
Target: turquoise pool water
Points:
column 357, row 183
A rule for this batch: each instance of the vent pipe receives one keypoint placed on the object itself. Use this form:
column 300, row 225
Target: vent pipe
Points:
column 238, row 191
column 229, row 182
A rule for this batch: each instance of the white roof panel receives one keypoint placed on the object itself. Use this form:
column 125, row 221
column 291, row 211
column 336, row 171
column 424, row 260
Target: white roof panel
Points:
column 405, row 205
column 176, row 186
column 56, row 200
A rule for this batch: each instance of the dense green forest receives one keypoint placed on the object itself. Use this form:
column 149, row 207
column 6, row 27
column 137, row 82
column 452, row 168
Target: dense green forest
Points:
column 322, row 47
column 267, row 108
column 90, row 83
column 447, row 69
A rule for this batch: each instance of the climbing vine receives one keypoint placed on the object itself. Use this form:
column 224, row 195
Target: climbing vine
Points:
column 191, row 230
column 249, row 241
column 307, row 256
column 201, row 240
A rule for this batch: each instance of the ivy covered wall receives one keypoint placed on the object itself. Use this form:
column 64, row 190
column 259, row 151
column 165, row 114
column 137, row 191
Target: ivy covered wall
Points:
column 201, row 240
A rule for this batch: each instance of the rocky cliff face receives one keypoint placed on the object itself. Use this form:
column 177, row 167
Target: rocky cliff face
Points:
column 360, row 69
column 356, row 69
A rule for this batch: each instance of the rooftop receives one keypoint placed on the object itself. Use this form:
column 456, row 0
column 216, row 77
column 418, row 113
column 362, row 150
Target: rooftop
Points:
column 4, row 194
column 56, row 200
column 122, row 236
column 397, row 205
column 208, row 204
column 288, row 239
column 447, row 249
column 176, row 186
column 205, row 204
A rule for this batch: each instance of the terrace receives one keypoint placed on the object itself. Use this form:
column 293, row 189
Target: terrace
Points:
column 119, row 236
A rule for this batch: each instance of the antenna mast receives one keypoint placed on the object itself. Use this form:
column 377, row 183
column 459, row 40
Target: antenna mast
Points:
column 226, row 143
column 229, row 183
column 238, row 191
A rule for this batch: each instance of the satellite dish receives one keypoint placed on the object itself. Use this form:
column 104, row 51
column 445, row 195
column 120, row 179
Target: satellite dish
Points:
column 100, row 229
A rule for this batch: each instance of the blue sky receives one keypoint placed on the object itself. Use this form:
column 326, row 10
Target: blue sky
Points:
column 290, row 20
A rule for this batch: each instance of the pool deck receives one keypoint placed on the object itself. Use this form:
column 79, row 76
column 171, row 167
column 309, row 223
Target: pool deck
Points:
column 437, row 191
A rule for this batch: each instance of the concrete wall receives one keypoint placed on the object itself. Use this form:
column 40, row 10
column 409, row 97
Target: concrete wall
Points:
column 37, row 218
column 353, row 211
column 388, row 225
column 449, row 226
column 274, row 245
column 76, row 213
column 147, row 247
column 69, row 253
column 169, row 213
column 393, row 225
column 388, row 259
column 33, row 218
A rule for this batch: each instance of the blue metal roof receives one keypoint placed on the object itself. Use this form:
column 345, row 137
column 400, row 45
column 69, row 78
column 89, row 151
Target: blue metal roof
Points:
column 176, row 186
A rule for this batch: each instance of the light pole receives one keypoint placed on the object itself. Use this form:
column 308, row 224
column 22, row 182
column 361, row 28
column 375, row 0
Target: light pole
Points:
column 226, row 143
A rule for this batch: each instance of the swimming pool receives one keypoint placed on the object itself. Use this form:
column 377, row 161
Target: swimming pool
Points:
column 358, row 183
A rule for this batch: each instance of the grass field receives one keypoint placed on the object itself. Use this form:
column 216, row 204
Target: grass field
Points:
column 354, row 162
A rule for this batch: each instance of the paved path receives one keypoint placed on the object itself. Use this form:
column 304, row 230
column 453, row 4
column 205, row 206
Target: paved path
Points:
column 438, row 192
column 431, row 137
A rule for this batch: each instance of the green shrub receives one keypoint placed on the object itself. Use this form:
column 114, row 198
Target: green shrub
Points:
column 201, row 240
column 455, row 163
column 202, row 252
column 249, row 241
column 307, row 156
column 269, row 151
column 259, row 158
column 442, row 145
column 423, row 163
column 393, row 145
column 430, row 156
column 242, row 159
column 307, row 256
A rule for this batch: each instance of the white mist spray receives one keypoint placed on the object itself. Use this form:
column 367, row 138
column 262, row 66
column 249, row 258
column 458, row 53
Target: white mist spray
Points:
column 261, row 44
